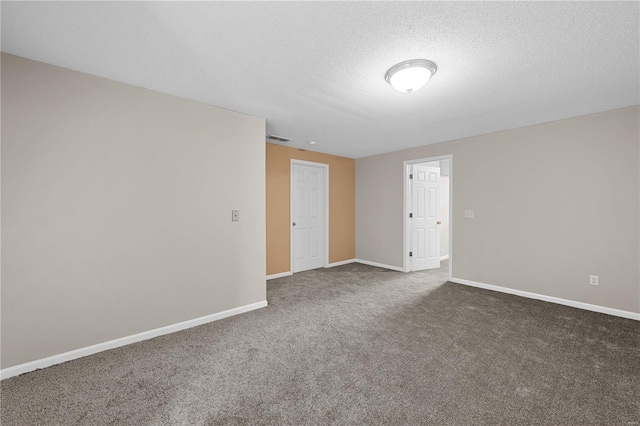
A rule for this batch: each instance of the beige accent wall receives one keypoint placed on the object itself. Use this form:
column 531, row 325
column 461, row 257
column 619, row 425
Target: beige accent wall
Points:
column 554, row 203
column 342, row 227
column 116, row 210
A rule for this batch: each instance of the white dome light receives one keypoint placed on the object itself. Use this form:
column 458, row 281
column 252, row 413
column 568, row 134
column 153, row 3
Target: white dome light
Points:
column 409, row 76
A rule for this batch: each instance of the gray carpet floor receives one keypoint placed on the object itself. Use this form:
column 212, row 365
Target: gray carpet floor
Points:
column 360, row 345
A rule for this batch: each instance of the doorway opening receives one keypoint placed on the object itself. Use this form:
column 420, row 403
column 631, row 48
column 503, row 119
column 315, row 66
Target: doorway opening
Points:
column 427, row 219
column 309, row 200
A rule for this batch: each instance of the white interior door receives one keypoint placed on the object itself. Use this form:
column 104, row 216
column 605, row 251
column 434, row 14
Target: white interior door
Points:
column 308, row 221
column 425, row 198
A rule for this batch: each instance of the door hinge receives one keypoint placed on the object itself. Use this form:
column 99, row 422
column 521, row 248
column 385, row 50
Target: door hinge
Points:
column 410, row 214
column 410, row 175
column 410, row 254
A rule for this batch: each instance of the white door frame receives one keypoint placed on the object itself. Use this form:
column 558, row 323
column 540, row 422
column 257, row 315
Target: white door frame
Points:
column 406, row 196
column 325, row 254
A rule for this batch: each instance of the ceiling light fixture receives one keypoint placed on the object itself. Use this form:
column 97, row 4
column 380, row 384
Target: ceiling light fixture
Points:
column 312, row 142
column 411, row 75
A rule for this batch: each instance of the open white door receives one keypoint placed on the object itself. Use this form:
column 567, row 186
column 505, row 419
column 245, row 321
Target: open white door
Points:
column 425, row 238
column 307, row 215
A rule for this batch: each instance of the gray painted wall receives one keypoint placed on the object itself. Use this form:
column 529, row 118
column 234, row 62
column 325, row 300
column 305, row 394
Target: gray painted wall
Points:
column 554, row 203
column 116, row 210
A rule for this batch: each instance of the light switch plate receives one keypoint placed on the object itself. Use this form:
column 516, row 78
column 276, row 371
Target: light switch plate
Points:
column 235, row 215
column 468, row 214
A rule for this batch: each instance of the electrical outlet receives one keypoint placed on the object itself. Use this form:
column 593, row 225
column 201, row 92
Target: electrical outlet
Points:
column 468, row 214
column 593, row 279
column 235, row 215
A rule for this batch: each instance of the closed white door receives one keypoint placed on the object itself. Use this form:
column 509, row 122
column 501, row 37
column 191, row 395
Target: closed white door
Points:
column 425, row 238
column 308, row 221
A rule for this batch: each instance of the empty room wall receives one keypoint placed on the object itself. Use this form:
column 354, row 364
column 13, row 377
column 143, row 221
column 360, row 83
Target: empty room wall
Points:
column 116, row 210
column 342, row 227
column 554, row 203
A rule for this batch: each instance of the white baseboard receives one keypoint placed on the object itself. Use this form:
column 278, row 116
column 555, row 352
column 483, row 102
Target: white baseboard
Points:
column 280, row 275
column 566, row 302
column 342, row 262
column 380, row 265
column 111, row 344
column 445, row 257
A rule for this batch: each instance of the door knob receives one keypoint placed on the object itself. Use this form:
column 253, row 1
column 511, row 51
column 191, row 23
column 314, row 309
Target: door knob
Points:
column 294, row 224
column 438, row 223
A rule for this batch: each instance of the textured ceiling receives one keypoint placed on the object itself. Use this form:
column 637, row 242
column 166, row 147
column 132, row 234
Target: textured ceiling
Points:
column 316, row 70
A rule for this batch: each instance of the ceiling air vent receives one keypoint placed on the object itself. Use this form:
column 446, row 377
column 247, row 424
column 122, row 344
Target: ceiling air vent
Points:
column 278, row 138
